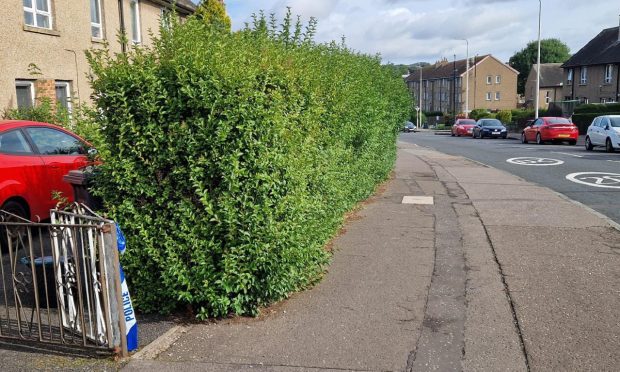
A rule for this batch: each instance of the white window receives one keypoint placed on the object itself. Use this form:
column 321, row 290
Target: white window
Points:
column 135, row 21
column 38, row 13
column 63, row 94
column 24, row 91
column 497, row 96
column 569, row 78
column 498, row 79
column 96, row 26
column 489, row 96
column 489, row 79
column 547, row 97
column 608, row 73
column 164, row 18
column 584, row 75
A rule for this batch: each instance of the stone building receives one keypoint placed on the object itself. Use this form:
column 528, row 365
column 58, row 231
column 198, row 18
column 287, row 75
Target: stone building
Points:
column 492, row 85
column 592, row 74
column 42, row 43
column 551, row 86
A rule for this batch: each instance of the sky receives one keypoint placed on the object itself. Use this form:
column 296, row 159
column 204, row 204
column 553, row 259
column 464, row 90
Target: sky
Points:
column 408, row 31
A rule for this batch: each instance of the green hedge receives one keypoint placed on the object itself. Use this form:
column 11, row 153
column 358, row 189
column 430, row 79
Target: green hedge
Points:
column 585, row 114
column 602, row 109
column 234, row 157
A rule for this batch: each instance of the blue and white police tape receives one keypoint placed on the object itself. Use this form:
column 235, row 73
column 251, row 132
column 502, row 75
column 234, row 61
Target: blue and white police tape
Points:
column 130, row 315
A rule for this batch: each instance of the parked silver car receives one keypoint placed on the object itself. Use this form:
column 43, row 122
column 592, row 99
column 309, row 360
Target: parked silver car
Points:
column 604, row 131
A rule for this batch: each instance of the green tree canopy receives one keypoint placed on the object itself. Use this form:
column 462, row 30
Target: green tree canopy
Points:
column 551, row 51
column 214, row 12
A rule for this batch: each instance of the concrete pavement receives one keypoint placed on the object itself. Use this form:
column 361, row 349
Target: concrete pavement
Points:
column 497, row 274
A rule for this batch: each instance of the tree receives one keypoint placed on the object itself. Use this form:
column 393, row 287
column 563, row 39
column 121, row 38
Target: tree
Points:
column 400, row 70
column 214, row 12
column 551, row 51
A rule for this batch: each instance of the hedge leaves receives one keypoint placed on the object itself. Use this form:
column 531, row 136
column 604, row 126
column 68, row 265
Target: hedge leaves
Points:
column 233, row 158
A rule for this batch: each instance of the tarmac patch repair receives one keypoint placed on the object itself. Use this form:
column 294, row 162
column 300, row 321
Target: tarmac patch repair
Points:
column 425, row 200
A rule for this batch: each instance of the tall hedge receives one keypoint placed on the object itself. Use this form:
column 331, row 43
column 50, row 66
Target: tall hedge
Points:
column 233, row 158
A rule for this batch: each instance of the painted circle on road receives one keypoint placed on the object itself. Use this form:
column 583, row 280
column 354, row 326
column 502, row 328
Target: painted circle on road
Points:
column 596, row 179
column 537, row 162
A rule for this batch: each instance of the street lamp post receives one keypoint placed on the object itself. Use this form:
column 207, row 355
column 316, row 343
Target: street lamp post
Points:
column 538, row 61
column 467, row 81
column 420, row 103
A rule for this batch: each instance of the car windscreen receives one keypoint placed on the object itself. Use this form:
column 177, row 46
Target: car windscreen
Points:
column 491, row 123
column 558, row 121
column 467, row 122
column 615, row 122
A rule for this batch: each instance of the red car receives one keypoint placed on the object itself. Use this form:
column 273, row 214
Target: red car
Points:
column 550, row 129
column 34, row 157
column 463, row 127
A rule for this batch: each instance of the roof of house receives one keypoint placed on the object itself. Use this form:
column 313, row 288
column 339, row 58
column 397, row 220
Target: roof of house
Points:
column 184, row 6
column 603, row 49
column 551, row 74
column 445, row 69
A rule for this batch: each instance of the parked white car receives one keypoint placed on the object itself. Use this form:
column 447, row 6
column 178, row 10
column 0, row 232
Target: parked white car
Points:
column 604, row 131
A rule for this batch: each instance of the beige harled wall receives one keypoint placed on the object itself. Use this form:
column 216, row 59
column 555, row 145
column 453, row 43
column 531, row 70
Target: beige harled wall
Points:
column 478, row 86
column 59, row 53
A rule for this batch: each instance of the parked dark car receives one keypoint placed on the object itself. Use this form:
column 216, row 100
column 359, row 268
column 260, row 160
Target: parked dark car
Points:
column 409, row 127
column 489, row 128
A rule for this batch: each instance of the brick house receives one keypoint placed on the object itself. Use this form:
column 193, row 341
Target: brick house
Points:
column 42, row 43
column 592, row 74
column 551, row 85
column 492, row 85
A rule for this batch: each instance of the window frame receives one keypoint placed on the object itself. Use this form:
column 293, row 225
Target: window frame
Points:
column 609, row 72
column 498, row 96
column 583, row 75
column 489, row 96
column 35, row 12
column 134, row 8
column 67, row 86
column 498, row 79
column 99, row 25
column 164, row 18
column 29, row 84
column 489, row 79
column 569, row 76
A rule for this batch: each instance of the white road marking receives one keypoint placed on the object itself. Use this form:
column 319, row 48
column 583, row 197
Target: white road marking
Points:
column 596, row 179
column 614, row 161
column 426, row 200
column 566, row 153
column 537, row 162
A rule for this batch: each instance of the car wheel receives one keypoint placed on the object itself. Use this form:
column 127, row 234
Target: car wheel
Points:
column 539, row 139
column 11, row 233
column 523, row 138
column 504, row 136
column 452, row 134
column 589, row 145
column 572, row 143
column 608, row 146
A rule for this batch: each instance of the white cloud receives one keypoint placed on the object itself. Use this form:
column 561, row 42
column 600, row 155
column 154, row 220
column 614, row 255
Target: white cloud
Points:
column 405, row 31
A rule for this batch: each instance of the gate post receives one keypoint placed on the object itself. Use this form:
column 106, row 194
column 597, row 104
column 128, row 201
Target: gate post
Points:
column 113, row 279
